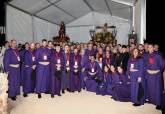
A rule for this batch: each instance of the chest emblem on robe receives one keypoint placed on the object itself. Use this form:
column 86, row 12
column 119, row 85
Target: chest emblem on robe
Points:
column 151, row 60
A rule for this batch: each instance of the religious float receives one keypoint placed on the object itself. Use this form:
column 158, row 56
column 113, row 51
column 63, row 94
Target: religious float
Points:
column 62, row 37
column 104, row 36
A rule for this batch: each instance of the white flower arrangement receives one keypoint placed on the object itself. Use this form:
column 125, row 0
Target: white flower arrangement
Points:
column 3, row 94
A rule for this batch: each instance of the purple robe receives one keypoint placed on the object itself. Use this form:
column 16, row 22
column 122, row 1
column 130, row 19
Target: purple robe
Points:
column 84, row 61
column 90, row 82
column 102, row 89
column 56, row 74
column 154, row 82
column 65, row 81
column 12, row 57
column 75, row 77
column 107, row 61
column 137, row 64
column 22, row 56
column 89, row 52
column 122, row 90
column 114, row 80
column 42, row 71
column 28, row 79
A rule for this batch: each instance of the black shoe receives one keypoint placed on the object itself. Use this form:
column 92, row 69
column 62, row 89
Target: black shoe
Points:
column 52, row 96
column 25, row 95
column 147, row 101
column 47, row 92
column 135, row 104
column 68, row 90
column 59, row 94
column 63, row 91
column 158, row 107
column 39, row 96
column 13, row 98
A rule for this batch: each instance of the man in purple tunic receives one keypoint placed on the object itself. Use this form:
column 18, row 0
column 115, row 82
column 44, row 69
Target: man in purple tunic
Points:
column 154, row 66
column 50, row 51
column 75, row 79
column 11, row 63
column 29, row 71
column 22, row 57
column 89, row 51
column 43, row 57
column 57, row 66
column 94, row 74
column 84, row 61
column 65, row 81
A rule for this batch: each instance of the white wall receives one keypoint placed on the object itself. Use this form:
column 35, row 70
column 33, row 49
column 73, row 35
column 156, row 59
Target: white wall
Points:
column 78, row 30
column 18, row 25
column 23, row 27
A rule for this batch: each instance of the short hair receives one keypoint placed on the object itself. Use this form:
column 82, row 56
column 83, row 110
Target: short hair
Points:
column 124, row 46
column 50, row 41
column 44, row 40
column 26, row 43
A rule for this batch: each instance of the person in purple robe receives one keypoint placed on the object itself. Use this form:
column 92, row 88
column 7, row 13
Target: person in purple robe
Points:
column 94, row 75
column 99, row 57
column 154, row 67
column 102, row 88
column 75, row 77
column 89, row 51
column 122, row 90
column 57, row 66
column 135, row 71
column 84, row 61
column 50, row 51
column 107, row 60
column 43, row 57
column 22, row 57
column 29, row 76
column 11, row 63
column 65, row 81
column 114, row 80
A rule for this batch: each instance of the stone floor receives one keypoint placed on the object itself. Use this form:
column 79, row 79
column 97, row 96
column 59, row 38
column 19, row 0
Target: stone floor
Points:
column 77, row 103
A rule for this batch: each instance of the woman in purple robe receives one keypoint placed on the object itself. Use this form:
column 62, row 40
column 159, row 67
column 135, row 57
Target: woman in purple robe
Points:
column 29, row 71
column 102, row 88
column 114, row 80
column 94, row 75
column 122, row 90
column 57, row 65
column 75, row 78
column 154, row 66
column 135, row 71
column 107, row 60
column 11, row 63
column 43, row 57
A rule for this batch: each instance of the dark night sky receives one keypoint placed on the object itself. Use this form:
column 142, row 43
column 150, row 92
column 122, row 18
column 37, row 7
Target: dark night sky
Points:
column 155, row 21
